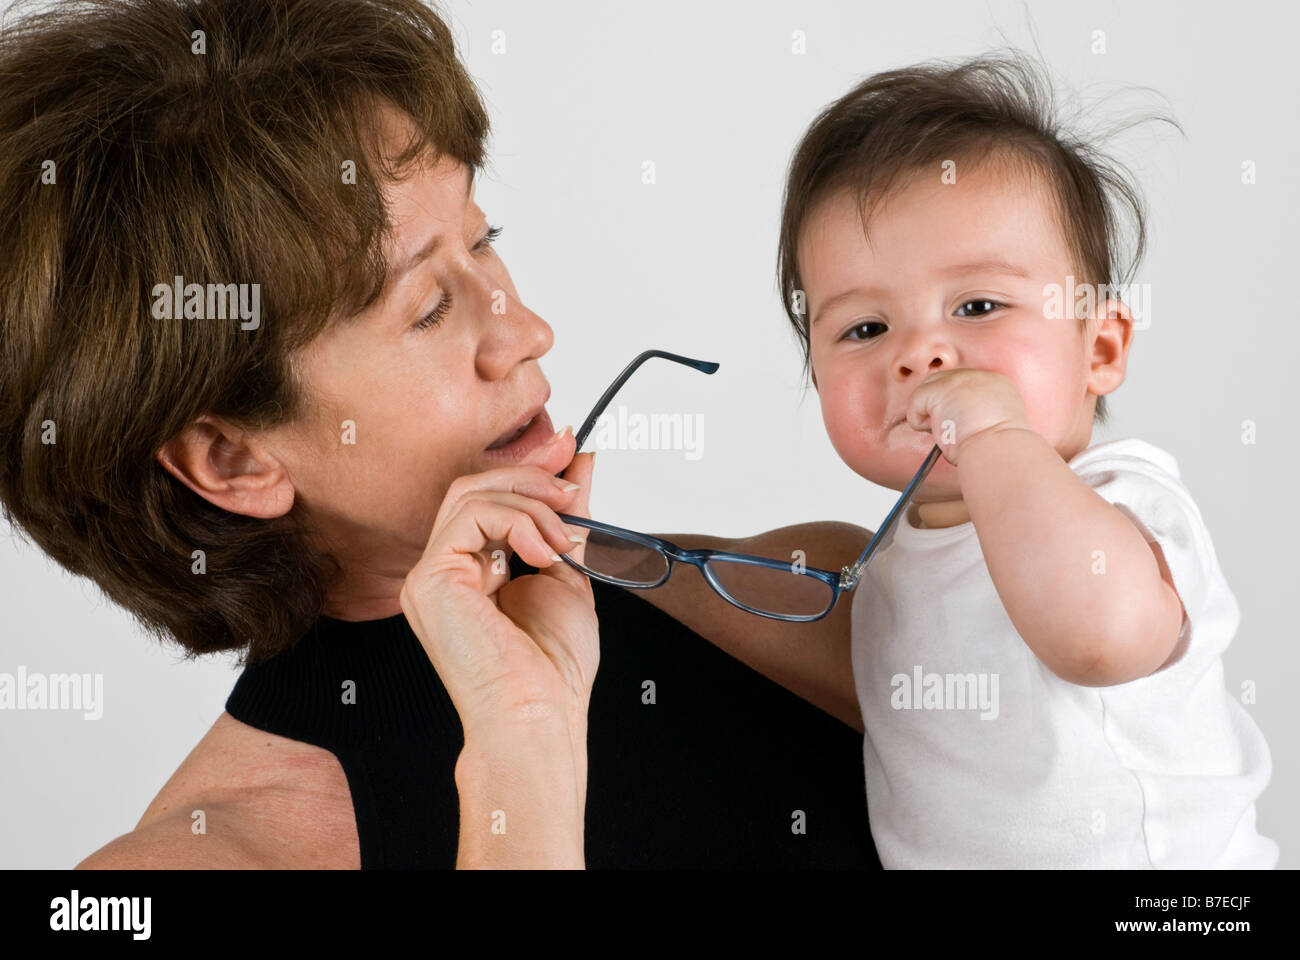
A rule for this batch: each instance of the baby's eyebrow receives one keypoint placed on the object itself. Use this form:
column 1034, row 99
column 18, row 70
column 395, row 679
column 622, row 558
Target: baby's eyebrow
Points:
column 988, row 265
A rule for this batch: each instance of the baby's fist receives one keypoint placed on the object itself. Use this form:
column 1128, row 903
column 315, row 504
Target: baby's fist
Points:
column 955, row 405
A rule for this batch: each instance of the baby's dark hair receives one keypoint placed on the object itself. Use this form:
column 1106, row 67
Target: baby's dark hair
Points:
column 997, row 106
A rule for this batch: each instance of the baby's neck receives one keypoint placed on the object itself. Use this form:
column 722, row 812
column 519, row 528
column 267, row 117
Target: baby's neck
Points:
column 941, row 513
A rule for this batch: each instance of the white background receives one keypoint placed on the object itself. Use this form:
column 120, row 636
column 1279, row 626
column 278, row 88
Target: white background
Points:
column 712, row 94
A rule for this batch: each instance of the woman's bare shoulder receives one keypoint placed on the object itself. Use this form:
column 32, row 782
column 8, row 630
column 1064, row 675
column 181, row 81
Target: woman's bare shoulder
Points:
column 264, row 801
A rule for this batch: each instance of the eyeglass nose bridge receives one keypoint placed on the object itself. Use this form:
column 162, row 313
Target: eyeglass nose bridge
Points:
column 700, row 558
column 672, row 555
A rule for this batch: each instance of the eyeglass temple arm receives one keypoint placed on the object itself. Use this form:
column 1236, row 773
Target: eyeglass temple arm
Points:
column 705, row 366
column 849, row 576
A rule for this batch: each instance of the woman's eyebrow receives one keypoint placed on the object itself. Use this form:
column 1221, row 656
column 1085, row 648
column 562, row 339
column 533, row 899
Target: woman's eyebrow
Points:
column 431, row 245
column 414, row 260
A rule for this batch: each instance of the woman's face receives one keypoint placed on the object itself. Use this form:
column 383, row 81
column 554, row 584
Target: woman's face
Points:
column 398, row 409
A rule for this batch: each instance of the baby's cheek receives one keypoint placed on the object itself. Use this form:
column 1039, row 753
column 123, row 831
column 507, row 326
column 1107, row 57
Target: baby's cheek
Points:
column 845, row 430
column 859, row 448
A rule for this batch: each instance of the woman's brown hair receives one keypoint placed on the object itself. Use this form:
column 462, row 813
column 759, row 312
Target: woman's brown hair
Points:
column 142, row 140
column 999, row 107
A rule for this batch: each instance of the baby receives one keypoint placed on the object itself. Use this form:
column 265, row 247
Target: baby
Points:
column 1037, row 652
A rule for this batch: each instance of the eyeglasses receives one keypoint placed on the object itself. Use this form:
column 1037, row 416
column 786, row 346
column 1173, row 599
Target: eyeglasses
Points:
column 776, row 589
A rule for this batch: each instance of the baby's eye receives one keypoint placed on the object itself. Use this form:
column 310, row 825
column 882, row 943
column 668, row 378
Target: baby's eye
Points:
column 985, row 307
column 863, row 326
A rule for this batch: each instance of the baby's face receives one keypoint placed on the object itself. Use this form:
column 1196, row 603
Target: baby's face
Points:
column 952, row 278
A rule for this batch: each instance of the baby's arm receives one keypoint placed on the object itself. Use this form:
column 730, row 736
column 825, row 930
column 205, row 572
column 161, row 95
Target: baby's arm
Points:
column 811, row 660
column 1045, row 535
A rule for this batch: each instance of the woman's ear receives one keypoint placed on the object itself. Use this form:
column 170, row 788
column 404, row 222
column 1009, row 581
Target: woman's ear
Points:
column 226, row 467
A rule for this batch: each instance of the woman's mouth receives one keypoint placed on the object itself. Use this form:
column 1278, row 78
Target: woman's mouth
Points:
column 516, row 445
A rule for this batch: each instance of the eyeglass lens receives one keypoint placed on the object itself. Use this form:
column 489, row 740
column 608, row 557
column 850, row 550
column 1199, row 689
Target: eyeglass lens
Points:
column 784, row 592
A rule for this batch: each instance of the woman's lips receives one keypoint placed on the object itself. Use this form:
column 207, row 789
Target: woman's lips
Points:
column 537, row 433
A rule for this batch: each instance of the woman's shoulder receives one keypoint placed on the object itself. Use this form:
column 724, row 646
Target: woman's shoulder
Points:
column 244, row 798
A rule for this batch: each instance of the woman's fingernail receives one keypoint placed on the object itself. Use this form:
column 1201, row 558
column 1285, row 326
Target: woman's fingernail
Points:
column 566, row 485
column 555, row 557
column 561, row 433
column 576, row 539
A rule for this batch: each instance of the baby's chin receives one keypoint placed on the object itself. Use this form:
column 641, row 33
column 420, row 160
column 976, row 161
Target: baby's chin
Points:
column 893, row 462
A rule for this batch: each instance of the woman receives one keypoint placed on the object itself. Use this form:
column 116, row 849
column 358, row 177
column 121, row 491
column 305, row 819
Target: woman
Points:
column 292, row 430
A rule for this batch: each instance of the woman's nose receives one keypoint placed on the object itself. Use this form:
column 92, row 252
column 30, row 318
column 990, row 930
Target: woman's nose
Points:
column 512, row 334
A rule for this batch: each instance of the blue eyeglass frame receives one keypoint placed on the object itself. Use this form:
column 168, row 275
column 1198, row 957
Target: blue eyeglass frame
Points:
column 839, row 583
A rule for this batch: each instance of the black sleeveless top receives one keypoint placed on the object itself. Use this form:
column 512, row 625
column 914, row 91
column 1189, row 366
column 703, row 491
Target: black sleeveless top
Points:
column 725, row 769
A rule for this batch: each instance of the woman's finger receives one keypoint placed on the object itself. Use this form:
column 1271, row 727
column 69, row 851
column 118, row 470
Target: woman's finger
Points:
column 532, row 482
column 555, row 533
column 579, row 472
column 555, row 455
column 483, row 524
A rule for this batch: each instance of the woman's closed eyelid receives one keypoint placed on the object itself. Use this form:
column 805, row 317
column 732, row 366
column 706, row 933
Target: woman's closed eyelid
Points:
column 436, row 315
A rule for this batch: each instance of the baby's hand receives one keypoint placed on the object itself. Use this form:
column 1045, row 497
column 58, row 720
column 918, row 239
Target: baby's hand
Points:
column 955, row 405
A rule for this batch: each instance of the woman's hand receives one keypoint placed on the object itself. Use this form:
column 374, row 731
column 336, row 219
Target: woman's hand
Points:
column 518, row 657
column 509, row 650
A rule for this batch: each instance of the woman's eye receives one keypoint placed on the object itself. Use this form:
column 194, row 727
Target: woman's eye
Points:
column 488, row 239
column 435, row 315
column 863, row 326
column 985, row 307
